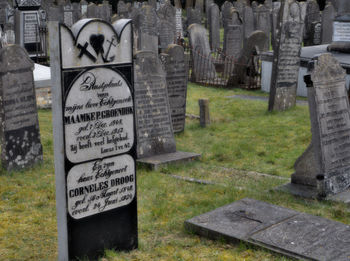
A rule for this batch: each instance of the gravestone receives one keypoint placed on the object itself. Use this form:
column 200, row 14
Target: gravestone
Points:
column 214, row 27
column 93, row 117
column 167, row 25
column 176, row 80
column 207, row 6
column 68, row 14
column 146, row 23
column 264, row 23
column 194, row 16
column 233, row 40
column 328, row 15
column 285, row 68
column 55, row 13
column 239, row 5
column 154, row 131
column 329, row 167
column 20, row 135
column 226, row 13
column 76, row 12
column 178, row 23
column 203, row 67
column 312, row 16
column 122, row 10
column 84, row 5
column 316, row 33
column 248, row 22
column 274, row 18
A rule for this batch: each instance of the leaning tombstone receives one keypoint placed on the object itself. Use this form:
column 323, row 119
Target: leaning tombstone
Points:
column 176, row 80
column 328, row 15
column 286, row 61
column 155, row 138
column 214, row 27
column 20, row 135
column 93, row 117
column 323, row 170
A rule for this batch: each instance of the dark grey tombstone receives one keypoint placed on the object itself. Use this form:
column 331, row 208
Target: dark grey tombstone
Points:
column 122, row 10
column 92, row 11
column 20, row 135
column 167, row 25
column 239, row 5
column 76, row 12
column 194, row 16
column 330, row 124
column 207, row 6
column 328, row 15
column 176, row 79
column 55, row 13
column 233, row 40
column 146, row 23
column 316, row 33
column 286, row 63
column 312, row 15
column 94, row 141
column 3, row 12
column 203, row 67
column 83, row 4
column 199, row 4
column 248, row 22
column 214, row 27
column 226, row 13
column 264, row 23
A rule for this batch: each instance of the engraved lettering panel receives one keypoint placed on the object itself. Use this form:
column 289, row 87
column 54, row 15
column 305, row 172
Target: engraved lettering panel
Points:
column 30, row 27
column 341, row 32
column 98, row 116
column 100, row 185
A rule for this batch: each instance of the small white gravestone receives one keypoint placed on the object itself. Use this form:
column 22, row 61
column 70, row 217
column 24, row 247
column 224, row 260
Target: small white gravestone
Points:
column 93, row 112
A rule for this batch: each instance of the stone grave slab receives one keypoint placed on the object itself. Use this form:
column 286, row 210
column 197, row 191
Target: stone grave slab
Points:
column 279, row 229
column 158, row 161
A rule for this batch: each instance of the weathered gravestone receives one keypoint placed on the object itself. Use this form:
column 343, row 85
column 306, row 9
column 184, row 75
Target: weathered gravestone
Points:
column 233, row 37
column 214, row 27
column 122, row 10
column 93, row 115
column 20, row 136
column 194, row 16
column 274, row 19
column 245, row 68
column 202, row 65
column 167, row 23
column 312, row 16
column 154, row 131
column 282, row 230
column 176, row 80
column 316, row 33
column 248, row 22
column 325, row 165
column 226, row 13
column 328, row 15
column 207, row 6
column 84, row 5
column 146, row 24
column 286, row 57
column 178, row 23
column 55, row 13
column 68, row 14
column 264, row 23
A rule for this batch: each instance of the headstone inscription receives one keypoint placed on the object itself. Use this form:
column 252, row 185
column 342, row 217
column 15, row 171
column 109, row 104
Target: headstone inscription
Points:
column 20, row 135
column 328, row 15
column 330, row 125
column 178, row 23
column 316, row 33
column 286, row 61
column 214, row 27
column 91, row 68
column 68, row 14
column 203, row 67
column 176, row 80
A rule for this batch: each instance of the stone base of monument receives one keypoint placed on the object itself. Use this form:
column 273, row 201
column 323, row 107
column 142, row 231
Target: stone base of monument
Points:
column 279, row 229
column 158, row 161
column 311, row 192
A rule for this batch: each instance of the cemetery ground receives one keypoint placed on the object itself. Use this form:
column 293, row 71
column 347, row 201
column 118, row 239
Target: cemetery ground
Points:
column 243, row 141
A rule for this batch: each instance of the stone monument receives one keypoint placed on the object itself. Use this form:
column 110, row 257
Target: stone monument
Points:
column 285, row 69
column 20, row 135
column 94, row 142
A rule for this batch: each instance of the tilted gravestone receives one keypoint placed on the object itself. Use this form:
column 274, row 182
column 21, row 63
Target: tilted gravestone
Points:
column 20, row 135
column 214, row 27
column 330, row 125
column 312, row 15
column 328, row 15
column 176, row 80
column 286, row 63
column 154, row 131
column 93, row 116
column 203, row 67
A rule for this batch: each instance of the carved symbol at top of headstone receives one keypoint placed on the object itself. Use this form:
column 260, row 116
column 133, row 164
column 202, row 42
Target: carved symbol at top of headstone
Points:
column 96, row 41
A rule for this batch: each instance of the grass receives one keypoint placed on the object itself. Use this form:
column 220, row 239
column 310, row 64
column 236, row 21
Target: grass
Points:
column 243, row 137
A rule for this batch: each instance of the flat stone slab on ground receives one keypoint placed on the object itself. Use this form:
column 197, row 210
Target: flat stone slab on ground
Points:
column 311, row 192
column 155, row 162
column 279, row 229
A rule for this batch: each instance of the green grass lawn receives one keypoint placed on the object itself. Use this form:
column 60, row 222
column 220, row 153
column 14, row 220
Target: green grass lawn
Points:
column 242, row 138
